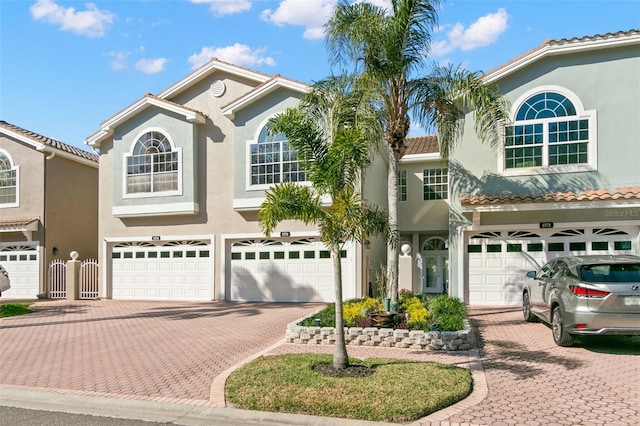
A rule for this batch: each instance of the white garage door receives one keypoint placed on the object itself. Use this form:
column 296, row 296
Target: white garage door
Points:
column 287, row 271
column 173, row 270
column 498, row 261
column 21, row 262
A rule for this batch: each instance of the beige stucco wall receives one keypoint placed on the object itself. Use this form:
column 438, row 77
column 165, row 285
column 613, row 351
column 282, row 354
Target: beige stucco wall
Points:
column 416, row 214
column 71, row 203
column 30, row 180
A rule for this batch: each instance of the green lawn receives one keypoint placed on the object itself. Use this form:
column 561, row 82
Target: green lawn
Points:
column 397, row 391
column 13, row 309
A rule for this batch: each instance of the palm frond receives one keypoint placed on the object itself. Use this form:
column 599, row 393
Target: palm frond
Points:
column 289, row 201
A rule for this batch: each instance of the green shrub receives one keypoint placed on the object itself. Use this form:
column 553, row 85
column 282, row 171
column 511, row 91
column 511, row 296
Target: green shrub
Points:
column 442, row 313
column 327, row 317
column 449, row 312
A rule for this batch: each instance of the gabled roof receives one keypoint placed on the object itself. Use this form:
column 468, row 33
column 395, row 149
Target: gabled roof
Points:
column 45, row 144
column 162, row 99
column 106, row 127
column 564, row 46
column 262, row 90
column 207, row 69
column 623, row 194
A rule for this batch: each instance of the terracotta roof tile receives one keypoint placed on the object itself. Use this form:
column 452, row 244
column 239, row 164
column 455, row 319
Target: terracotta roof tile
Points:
column 565, row 41
column 427, row 144
column 50, row 142
column 552, row 197
column 21, row 221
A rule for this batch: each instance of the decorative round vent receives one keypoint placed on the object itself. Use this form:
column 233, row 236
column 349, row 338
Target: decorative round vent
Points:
column 217, row 88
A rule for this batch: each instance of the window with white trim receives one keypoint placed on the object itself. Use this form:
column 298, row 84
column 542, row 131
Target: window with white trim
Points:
column 402, row 185
column 435, row 184
column 550, row 131
column 153, row 166
column 8, row 182
column 272, row 160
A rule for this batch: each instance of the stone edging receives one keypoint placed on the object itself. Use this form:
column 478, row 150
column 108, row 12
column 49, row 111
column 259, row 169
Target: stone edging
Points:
column 461, row 340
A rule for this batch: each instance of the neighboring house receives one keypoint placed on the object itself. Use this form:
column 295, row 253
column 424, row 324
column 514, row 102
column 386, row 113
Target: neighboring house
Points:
column 566, row 180
column 182, row 176
column 48, row 204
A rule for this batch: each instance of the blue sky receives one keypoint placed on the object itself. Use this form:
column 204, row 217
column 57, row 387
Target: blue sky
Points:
column 66, row 66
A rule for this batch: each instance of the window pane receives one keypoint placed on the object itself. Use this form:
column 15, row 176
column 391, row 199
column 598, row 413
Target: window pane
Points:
column 435, row 184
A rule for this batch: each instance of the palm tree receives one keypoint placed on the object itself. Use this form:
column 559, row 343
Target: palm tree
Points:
column 332, row 131
column 389, row 50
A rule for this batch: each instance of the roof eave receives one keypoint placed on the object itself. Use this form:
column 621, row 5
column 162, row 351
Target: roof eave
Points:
column 44, row 148
column 260, row 92
column 106, row 131
column 552, row 49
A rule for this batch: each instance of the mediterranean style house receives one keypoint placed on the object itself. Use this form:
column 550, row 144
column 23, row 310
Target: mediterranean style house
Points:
column 183, row 174
column 48, row 200
column 565, row 180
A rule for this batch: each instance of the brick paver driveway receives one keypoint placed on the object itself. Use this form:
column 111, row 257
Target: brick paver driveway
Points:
column 142, row 349
column 531, row 381
column 156, row 350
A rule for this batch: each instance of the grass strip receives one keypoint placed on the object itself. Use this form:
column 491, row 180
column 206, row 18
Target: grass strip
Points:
column 398, row 391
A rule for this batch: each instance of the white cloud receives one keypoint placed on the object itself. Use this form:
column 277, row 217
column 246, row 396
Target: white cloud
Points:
column 91, row 22
column 119, row 60
column 484, row 32
column 309, row 14
column 225, row 7
column 151, row 66
column 238, row 54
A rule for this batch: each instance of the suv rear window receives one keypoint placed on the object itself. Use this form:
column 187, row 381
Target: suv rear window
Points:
column 610, row 273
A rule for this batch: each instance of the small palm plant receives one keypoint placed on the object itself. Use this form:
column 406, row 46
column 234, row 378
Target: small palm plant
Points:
column 333, row 131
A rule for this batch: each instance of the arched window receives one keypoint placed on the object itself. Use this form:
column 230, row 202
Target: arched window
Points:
column 434, row 244
column 549, row 130
column 272, row 160
column 153, row 165
column 8, row 181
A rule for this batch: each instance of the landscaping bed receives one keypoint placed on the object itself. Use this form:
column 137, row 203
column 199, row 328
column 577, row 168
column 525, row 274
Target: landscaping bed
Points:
column 422, row 322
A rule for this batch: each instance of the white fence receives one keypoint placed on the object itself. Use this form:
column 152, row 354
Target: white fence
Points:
column 58, row 279
column 88, row 280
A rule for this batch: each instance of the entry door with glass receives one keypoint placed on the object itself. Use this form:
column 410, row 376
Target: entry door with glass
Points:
column 436, row 265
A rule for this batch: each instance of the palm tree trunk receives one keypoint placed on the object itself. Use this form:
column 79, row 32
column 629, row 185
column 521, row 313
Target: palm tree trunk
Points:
column 392, row 249
column 340, row 357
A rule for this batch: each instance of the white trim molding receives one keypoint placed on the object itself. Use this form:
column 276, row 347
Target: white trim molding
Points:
column 173, row 209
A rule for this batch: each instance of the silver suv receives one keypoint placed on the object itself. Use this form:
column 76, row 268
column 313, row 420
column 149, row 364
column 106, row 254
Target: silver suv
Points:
column 4, row 280
column 585, row 295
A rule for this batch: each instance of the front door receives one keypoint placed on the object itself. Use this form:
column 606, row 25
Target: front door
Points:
column 435, row 272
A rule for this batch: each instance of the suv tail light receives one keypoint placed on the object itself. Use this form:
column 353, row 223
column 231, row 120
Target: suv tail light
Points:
column 587, row 292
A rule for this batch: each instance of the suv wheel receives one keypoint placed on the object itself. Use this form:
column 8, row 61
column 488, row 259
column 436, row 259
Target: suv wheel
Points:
column 526, row 308
column 560, row 336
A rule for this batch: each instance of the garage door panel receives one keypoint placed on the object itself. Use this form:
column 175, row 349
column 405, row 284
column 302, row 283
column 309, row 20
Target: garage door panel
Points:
column 23, row 266
column 295, row 272
column 162, row 274
column 523, row 251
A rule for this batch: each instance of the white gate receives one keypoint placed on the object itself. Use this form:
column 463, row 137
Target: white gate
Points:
column 58, row 279
column 89, row 279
